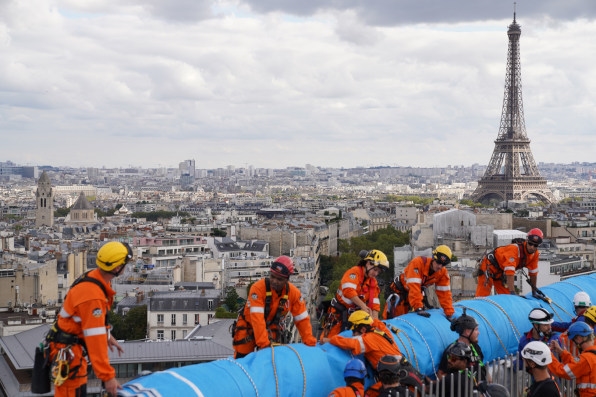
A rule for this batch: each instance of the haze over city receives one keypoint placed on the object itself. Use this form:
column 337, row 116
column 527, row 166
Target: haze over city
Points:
column 277, row 84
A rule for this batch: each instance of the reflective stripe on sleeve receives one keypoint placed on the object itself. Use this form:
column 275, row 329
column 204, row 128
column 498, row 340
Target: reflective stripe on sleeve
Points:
column 569, row 372
column 94, row 331
column 257, row 309
column 348, row 285
column 64, row 314
column 362, row 347
column 509, row 268
column 533, row 271
column 301, row 316
column 443, row 288
column 414, row 281
column 376, row 301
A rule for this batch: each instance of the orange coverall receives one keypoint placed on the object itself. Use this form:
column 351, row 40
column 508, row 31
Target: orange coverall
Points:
column 84, row 315
column 252, row 330
column 509, row 258
column 347, row 391
column 354, row 283
column 583, row 371
column 373, row 344
column 415, row 276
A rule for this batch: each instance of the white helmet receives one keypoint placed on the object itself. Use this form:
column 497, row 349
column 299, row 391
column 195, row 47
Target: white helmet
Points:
column 581, row 299
column 538, row 352
column 540, row 316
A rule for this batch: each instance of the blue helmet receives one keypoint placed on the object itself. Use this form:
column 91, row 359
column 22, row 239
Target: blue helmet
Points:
column 579, row 328
column 355, row 369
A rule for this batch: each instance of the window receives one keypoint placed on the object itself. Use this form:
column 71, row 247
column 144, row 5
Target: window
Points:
column 160, row 319
column 210, row 304
column 160, row 334
column 173, row 333
column 184, row 333
column 174, row 319
column 197, row 319
column 184, row 319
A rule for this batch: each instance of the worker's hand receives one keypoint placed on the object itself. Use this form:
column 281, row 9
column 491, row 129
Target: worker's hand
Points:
column 312, row 341
column 367, row 309
column 113, row 343
column 540, row 295
column 450, row 318
column 112, row 386
column 555, row 347
column 422, row 312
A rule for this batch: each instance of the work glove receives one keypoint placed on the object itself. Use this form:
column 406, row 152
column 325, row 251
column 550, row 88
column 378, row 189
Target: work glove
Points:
column 450, row 318
column 540, row 295
column 422, row 312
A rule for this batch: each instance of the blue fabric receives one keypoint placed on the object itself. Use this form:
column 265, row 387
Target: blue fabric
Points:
column 298, row 370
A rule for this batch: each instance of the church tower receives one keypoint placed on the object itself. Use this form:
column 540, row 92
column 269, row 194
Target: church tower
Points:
column 44, row 216
column 512, row 173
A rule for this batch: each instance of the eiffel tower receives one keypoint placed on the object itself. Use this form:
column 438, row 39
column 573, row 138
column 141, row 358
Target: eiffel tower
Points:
column 512, row 173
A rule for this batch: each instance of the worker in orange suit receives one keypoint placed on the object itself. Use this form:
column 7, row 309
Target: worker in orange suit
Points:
column 354, row 374
column 81, row 328
column 370, row 337
column 583, row 370
column 420, row 273
column 498, row 267
column 358, row 290
column 270, row 299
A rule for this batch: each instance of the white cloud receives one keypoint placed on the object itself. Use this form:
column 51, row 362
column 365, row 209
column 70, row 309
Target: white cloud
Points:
column 145, row 83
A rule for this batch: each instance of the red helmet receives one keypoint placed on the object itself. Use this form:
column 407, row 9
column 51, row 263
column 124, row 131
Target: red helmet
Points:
column 283, row 266
column 535, row 236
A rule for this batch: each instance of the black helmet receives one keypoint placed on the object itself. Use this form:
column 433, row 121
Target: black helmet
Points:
column 460, row 349
column 463, row 323
column 388, row 363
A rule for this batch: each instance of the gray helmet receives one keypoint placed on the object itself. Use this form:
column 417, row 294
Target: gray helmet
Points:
column 463, row 323
column 460, row 349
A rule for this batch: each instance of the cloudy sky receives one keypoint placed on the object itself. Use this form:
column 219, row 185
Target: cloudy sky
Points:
column 276, row 83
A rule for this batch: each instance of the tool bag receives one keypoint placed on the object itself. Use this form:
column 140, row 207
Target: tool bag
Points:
column 40, row 382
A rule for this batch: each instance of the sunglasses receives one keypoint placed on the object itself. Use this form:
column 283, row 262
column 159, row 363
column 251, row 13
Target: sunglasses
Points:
column 533, row 244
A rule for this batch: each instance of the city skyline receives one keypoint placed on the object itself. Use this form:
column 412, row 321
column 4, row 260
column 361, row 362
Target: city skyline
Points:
column 281, row 84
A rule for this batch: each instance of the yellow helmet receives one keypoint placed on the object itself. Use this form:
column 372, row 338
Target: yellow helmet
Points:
column 112, row 255
column 359, row 317
column 442, row 254
column 590, row 314
column 377, row 258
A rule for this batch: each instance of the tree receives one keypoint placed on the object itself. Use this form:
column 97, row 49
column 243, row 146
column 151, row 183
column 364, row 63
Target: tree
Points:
column 132, row 326
column 218, row 232
column 61, row 212
column 231, row 299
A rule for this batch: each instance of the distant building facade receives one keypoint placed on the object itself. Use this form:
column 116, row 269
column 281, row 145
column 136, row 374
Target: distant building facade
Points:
column 45, row 202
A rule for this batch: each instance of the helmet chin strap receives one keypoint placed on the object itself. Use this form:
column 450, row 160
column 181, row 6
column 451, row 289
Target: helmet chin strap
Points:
column 116, row 273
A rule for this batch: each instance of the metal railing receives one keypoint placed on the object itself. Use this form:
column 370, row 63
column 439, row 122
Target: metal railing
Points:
column 507, row 372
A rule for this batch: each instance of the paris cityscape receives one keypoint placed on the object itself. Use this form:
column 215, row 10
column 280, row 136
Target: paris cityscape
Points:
column 199, row 237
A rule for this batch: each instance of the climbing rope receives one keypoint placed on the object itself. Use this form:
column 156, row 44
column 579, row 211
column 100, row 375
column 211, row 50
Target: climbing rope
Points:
column 430, row 353
column 491, row 327
column 403, row 344
column 274, row 371
column 517, row 333
column 302, row 368
column 551, row 303
column 254, row 386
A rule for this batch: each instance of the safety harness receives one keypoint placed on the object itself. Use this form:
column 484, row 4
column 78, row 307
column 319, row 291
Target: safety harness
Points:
column 60, row 365
column 276, row 320
column 499, row 274
column 342, row 312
